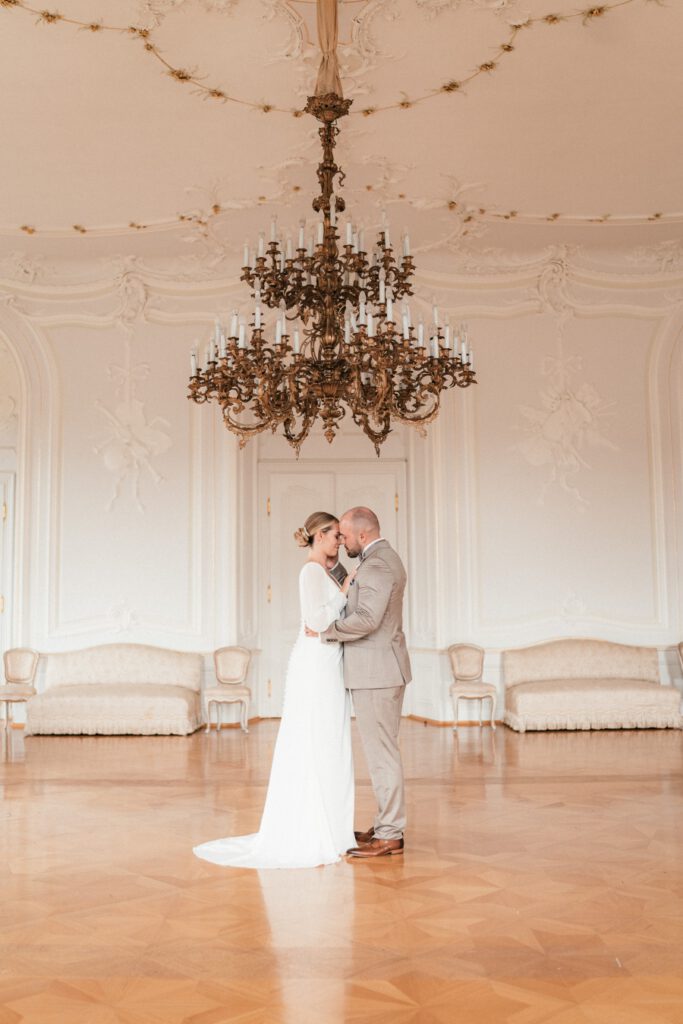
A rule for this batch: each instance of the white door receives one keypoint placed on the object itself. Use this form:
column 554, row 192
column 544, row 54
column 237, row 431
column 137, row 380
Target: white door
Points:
column 287, row 497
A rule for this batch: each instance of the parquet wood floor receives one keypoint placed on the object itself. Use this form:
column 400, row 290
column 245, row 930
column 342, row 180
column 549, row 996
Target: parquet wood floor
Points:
column 543, row 882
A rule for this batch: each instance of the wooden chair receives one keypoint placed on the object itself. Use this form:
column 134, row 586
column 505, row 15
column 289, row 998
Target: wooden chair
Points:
column 231, row 665
column 20, row 665
column 467, row 666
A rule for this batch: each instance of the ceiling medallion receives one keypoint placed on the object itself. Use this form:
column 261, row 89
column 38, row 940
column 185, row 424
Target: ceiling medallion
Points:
column 344, row 332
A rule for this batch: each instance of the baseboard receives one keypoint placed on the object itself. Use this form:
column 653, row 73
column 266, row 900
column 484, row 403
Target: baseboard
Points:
column 449, row 725
column 226, row 725
column 266, row 718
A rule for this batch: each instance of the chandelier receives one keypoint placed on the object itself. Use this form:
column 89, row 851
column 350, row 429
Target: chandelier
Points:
column 344, row 337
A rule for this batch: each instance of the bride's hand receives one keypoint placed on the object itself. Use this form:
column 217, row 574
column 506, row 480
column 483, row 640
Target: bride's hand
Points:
column 348, row 581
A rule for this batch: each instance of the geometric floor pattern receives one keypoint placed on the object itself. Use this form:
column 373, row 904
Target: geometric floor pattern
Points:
column 542, row 884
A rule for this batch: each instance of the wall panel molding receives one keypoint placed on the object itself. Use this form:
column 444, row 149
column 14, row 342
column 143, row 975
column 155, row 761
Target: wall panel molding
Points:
column 620, row 317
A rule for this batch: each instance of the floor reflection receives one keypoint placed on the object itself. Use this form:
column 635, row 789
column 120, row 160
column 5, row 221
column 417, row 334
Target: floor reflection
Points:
column 311, row 918
column 474, row 745
column 12, row 745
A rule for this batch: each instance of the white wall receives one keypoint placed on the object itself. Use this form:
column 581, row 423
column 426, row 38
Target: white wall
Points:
column 546, row 502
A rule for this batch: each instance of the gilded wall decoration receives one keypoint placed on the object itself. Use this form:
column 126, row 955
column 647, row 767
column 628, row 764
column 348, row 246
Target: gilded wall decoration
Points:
column 572, row 415
column 572, row 606
column 124, row 617
column 570, row 419
column 131, row 441
column 9, row 402
column 8, row 414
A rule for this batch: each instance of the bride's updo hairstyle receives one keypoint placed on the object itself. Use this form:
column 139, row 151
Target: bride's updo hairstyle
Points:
column 317, row 521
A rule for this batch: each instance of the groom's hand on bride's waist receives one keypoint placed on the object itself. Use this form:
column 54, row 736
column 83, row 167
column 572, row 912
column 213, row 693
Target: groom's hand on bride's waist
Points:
column 310, row 632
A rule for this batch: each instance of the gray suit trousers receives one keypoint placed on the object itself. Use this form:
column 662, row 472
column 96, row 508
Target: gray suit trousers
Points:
column 378, row 716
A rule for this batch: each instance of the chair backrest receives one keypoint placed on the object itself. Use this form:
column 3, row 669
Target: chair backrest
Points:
column 467, row 662
column 232, row 664
column 20, row 665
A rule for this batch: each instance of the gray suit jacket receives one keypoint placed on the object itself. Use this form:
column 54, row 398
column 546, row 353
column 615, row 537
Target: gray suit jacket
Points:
column 375, row 651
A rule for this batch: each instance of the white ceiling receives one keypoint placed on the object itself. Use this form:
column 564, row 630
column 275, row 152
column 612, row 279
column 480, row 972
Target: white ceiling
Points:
column 580, row 119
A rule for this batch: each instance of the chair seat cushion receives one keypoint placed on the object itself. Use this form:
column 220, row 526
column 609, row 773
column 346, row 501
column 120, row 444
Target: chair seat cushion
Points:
column 15, row 691
column 592, row 704
column 114, row 709
column 474, row 690
column 226, row 693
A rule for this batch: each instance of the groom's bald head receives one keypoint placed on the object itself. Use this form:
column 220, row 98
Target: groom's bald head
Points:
column 362, row 518
column 358, row 527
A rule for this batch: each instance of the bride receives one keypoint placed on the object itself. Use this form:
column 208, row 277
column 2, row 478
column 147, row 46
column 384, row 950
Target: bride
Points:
column 308, row 814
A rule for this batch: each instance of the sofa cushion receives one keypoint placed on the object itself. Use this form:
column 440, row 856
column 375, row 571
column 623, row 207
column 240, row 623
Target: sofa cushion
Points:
column 578, row 703
column 124, row 663
column 580, row 659
column 114, row 708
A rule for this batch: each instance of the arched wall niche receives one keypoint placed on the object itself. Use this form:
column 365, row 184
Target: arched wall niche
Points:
column 35, row 408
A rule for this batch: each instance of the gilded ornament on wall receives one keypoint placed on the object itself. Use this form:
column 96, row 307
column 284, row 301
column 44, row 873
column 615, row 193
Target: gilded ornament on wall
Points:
column 132, row 440
column 570, row 419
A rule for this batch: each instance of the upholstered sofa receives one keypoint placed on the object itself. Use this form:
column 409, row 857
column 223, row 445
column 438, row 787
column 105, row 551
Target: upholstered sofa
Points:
column 587, row 684
column 118, row 689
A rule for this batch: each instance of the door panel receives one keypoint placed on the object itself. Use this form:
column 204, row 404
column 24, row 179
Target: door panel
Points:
column 376, row 490
column 293, row 497
column 314, row 487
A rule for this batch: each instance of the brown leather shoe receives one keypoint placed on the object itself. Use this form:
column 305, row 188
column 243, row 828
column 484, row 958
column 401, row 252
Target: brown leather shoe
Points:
column 363, row 838
column 378, row 848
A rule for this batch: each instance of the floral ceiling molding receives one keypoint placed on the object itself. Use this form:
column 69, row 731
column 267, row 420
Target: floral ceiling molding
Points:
column 153, row 12
column 658, row 264
column 176, row 70
column 383, row 188
column 434, row 7
column 667, row 256
column 363, row 50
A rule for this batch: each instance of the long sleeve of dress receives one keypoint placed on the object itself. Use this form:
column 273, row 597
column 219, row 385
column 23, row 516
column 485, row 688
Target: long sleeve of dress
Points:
column 321, row 601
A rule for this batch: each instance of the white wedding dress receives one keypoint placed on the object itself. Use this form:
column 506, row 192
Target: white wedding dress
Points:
column 308, row 814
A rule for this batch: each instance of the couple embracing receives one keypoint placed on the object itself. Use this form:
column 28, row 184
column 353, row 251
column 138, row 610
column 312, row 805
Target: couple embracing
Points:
column 351, row 639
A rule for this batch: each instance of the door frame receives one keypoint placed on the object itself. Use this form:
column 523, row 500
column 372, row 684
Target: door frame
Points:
column 261, row 567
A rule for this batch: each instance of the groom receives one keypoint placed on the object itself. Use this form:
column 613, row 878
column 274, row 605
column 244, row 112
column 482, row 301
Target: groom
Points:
column 376, row 670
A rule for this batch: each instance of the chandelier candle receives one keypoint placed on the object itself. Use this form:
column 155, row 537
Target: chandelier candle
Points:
column 347, row 352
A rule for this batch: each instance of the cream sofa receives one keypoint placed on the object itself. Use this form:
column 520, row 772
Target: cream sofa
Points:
column 118, row 689
column 587, row 684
